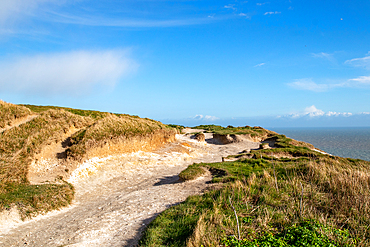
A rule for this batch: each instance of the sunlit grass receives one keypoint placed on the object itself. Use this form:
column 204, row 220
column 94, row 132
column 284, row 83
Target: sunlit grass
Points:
column 309, row 199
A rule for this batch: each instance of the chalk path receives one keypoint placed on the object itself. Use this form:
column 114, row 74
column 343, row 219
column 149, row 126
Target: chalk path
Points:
column 113, row 206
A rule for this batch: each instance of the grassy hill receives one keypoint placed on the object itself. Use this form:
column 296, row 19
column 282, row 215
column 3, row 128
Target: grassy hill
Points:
column 19, row 144
column 290, row 195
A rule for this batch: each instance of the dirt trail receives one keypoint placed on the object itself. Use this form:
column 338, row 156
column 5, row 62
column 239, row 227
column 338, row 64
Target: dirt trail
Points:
column 116, row 197
column 18, row 122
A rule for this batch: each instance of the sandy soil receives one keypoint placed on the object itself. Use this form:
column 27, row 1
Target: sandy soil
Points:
column 116, row 197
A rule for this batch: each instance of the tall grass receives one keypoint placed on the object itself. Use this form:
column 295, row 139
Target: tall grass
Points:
column 299, row 201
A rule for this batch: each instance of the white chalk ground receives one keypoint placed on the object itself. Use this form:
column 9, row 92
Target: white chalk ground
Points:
column 117, row 196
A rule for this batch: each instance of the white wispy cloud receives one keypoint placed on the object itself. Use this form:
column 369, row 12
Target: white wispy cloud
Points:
column 205, row 118
column 230, row 6
column 260, row 4
column 272, row 13
column 312, row 112
column 65, row 73
column 360, row 81
column 324, row 55
column 259, row 65
column 88, row 20
column 360, row 62
column 310, row 85
column 12, row 10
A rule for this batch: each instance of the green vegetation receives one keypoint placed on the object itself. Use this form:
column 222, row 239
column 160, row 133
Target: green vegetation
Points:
column 306, row 233
column 192, row 172
column 287, row 196
column 230, row 130
column 32, row 199
column 84, row 113
column 20, row 144
column 17, row 147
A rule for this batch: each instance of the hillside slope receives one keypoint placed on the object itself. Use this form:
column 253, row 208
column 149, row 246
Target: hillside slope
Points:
column 38, row 153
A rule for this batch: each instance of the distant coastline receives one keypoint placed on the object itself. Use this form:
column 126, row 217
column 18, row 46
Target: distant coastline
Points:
column 351, row 142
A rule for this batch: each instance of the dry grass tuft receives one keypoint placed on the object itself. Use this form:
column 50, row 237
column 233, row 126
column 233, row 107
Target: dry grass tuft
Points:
column 10, row 112
column 119, row 134
column 18, row 145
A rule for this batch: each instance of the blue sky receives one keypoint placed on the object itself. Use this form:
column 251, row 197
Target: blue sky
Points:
column 271, row 63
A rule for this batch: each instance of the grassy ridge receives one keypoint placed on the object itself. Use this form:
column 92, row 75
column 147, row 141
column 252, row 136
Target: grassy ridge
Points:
column 17, row 147
column 309, row 199
column 10, row 112
column 111, row 128
column 230, row 130
column 20, row 144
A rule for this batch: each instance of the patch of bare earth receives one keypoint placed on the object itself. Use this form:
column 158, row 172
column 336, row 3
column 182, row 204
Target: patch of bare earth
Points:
column 50, row 163
column 117, row 196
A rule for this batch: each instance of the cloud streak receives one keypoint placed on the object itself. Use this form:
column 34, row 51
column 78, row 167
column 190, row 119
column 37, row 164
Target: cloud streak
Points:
column 313, row 112
column 76, row 72
column 49, row 11
column 205, row 118
column 309, row 85
column 324, row 55
column 272, row 13
column 259, row 65
column 360, row 62
column 17, row 9
column 88, row 20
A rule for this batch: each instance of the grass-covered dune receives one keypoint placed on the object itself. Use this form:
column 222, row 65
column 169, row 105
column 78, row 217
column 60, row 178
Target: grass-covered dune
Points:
column 290, row 195
column 19, row 144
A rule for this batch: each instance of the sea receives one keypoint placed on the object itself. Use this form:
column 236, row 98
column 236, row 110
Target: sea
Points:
column 351, row 142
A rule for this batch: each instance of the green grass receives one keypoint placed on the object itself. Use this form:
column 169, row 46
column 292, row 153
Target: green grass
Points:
column 192, row 172
column 307, row 200
column 177, row 224
column 84, row 113
column 176, row 126
column 230, row 130
column 305, row 233
column 33, row 199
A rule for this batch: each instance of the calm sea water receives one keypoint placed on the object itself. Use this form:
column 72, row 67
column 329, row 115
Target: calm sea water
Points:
column 344, row 142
